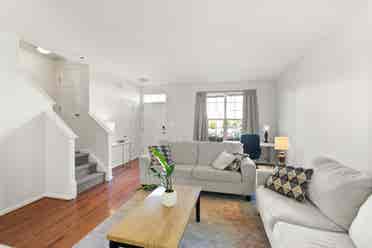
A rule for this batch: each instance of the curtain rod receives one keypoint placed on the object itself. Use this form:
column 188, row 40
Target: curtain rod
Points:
column 227, row 91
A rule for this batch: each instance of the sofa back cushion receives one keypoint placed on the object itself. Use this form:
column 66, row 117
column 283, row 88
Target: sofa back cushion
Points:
column 360, row 228
column 184, row 152
column 338, row 191
column 209, row 151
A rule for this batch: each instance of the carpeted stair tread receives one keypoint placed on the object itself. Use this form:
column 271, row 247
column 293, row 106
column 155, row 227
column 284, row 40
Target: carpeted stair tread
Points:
column 90, row 181
column 81, row 158
column 85, row 169
column 90, row 177
column 81, row 154
column 84, row 166
column 86, row 172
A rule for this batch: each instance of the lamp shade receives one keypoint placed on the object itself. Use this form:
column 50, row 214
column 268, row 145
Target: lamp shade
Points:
column 281, row 143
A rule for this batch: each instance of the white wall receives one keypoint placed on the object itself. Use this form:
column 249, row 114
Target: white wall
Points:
column 24, row 135
column 21, row 136
column 39, row 70
column 38, row 160
column 179, row 109
column 22, row 160
column 323, row 99
column 59, row 161
column 119, row 103
column 19, row 101
column 370, row 128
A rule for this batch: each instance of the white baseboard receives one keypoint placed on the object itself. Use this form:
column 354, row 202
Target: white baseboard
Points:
column 20, row 205
column 117, row 165
column 70, row 196
column 59, row 196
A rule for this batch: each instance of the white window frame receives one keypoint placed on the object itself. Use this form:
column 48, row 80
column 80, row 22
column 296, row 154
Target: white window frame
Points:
column 154, row 98
column 225, row 119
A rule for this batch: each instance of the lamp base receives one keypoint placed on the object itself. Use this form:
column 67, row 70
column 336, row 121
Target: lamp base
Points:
column 281, row 159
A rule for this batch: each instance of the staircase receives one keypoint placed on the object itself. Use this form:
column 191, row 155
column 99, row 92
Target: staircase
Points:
column 86, row 172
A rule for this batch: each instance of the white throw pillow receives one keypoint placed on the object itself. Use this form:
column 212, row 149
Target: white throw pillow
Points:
column 338, row 191
column 360, row 229
column 223, row 160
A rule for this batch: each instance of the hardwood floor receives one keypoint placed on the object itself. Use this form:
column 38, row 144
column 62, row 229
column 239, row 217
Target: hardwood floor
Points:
column 55, row 223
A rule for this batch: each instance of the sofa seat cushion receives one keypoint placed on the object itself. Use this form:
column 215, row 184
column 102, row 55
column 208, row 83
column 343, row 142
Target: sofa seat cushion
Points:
column 292, row 236
column 275, row 208
column 208, row 173
column 181, row 170
column 360, row 228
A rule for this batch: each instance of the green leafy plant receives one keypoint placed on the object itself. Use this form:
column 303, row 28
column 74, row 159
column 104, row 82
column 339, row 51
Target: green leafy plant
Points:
column 165, row 174
column 148, row 187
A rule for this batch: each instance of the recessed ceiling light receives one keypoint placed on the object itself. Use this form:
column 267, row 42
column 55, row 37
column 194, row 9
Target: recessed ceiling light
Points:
column 42, row 50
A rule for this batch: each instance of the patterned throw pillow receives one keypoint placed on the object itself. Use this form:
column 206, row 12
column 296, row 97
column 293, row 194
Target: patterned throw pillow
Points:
column 163, row 149
column 290, row 181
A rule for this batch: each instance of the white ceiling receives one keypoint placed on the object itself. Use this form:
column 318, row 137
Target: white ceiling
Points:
column 179, row 41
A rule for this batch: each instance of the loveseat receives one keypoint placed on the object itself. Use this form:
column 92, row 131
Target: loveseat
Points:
column 329, row 219
column 193, row 167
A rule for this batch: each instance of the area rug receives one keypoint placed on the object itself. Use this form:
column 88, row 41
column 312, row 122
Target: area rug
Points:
column 226, row 221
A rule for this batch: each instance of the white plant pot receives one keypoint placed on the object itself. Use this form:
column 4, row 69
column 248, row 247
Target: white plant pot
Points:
column 169, row 199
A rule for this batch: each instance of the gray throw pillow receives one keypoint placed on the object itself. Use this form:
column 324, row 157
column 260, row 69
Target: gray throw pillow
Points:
column 236, row 164
column 338, row 191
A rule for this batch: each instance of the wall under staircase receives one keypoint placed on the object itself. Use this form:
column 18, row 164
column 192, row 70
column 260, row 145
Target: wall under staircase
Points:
column 36, row 148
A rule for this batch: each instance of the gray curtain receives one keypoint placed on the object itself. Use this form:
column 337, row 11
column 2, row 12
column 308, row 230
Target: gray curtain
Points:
column 201, row 118
column 250, row 112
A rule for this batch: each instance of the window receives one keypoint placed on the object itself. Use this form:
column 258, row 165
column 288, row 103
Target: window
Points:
column 225, row 114
column 154, row 98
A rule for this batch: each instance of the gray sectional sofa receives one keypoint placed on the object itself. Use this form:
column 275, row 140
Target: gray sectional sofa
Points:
column 328, row 218
column 193, row 167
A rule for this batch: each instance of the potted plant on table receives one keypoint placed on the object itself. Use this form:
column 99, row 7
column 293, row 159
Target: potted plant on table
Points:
column 169, row 198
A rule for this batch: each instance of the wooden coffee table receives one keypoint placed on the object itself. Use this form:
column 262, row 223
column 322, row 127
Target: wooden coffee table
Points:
column 152, row 225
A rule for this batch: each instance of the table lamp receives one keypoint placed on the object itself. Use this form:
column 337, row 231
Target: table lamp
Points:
column 281, row 145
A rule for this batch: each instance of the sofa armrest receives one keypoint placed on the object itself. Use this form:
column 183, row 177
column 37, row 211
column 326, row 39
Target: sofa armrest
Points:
column 144, row 161
column 248, row 170
column 144, row 165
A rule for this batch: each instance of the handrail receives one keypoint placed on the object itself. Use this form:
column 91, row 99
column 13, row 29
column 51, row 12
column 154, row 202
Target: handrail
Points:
column 101, row 123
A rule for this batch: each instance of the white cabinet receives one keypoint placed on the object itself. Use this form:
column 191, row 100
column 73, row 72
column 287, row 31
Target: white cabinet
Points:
column 121, row 153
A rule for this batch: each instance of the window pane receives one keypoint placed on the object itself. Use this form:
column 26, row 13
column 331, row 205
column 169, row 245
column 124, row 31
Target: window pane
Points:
column 215, row 107
column 233, row 129
column 234, row 107
column 215, row 130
